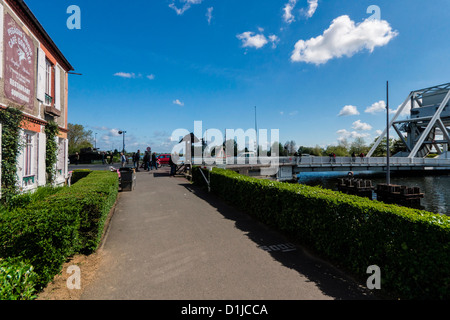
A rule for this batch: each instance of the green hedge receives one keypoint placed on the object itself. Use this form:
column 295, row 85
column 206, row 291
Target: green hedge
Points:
column 17, row 280
column 411, row 247
column 79, row 174
column 45, row 231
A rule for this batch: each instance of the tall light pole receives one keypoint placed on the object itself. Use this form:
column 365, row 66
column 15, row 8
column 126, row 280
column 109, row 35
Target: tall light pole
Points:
column 95, row 141
column 123, row 132
column 256, row 133
column 388, row 151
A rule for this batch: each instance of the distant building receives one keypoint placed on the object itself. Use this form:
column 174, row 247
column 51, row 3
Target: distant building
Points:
column 34, row 75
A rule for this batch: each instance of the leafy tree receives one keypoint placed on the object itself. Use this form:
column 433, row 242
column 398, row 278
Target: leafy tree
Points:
column 359, row 146
column 380, row 151
column 78, row 138
column 339, row 150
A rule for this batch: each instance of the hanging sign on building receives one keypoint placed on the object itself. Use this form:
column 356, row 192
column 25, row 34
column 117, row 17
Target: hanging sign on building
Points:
column 19, row 64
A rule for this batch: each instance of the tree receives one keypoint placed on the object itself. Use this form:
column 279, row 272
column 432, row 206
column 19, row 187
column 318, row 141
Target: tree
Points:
column 289, row 147
column 339, row 150
column 78, row 138
column 359, row 146
column 380, row 151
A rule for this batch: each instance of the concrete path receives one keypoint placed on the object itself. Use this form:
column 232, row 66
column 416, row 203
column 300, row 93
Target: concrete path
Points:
column 173, row 241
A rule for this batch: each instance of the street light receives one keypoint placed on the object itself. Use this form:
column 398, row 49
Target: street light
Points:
column 123, row 132
column 95, row 141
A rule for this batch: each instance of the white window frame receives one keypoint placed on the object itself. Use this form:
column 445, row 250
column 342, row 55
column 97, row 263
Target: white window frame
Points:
column 28, row 179
column 61, row 158
column 48, row 82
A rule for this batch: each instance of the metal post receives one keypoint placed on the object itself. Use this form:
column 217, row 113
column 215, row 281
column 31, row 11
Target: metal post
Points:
column 256, row 133
column 388, row 151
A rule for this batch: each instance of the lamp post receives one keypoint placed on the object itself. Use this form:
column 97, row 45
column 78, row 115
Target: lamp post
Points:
column 123, row 132
column 388, row 151
column 256, row 132
column 95, row 141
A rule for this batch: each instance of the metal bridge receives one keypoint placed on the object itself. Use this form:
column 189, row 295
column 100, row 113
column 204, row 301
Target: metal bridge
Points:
column 287, row 168
column 424, row 131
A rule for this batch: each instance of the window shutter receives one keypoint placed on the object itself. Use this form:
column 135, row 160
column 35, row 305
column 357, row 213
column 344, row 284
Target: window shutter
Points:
column 1, row 40
column 41, row 76
column 57, row 87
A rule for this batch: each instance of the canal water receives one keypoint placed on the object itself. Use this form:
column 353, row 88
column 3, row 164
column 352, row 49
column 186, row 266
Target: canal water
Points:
column 435, row 187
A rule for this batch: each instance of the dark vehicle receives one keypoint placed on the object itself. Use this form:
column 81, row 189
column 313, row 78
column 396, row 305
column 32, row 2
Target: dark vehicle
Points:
column 87, row 155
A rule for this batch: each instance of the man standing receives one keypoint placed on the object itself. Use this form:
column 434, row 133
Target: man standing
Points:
column 136, row 159
column 147, row 161
column 123, row 159
column 153, row 161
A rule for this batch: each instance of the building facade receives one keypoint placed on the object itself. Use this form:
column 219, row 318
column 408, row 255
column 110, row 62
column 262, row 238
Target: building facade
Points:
column 33, row 77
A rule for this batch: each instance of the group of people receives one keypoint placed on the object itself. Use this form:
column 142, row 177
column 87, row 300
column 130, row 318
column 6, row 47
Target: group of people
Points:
column 149, row 161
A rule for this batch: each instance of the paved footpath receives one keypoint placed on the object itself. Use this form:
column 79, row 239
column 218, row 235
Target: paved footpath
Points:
column 171, row 240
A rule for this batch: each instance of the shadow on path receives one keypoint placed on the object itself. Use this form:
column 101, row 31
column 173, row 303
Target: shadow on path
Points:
column 328, row 279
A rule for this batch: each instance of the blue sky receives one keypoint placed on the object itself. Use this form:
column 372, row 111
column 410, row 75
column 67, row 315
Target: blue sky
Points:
column 150, row 67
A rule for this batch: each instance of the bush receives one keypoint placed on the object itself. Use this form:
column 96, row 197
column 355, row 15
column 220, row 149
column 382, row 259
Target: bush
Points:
column 411, row 247
column 46, row 231
column 17, row 280
column 79, row 174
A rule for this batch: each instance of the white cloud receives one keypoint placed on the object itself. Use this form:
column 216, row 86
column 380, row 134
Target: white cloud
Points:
column 151, row 76
column 349, row 110
column 274, row 40
column 379, row 132
column 209, row 14
column 178, row 102
column 406, row 111
column 249, row 39
column 343, row 38
column 361, row 126
column 186, row 6
column 379, row 106
column 288, row 16
column 312, row 7
column 344, row 134
column 125, row 75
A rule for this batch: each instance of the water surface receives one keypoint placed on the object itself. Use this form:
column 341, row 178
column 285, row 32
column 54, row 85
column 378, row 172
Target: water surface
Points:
column 435, row 187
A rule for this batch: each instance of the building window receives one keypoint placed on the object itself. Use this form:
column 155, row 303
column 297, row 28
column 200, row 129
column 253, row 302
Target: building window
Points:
column 29, row 159
column 60, row 165
column 48, row 82
column 28, row 155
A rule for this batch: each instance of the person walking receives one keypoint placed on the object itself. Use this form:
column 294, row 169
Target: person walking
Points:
column 153, row 161
column 123, row 159
column 147, row 161
column 77, row 158
column 136, row 158
column 173, row 166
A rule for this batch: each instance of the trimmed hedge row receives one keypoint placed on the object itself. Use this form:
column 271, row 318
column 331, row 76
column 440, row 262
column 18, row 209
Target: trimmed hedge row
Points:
column 411, row 247
column 79, row 174
column 45, row 231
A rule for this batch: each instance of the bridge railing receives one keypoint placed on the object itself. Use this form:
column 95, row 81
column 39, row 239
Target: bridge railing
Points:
column 330, row 161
